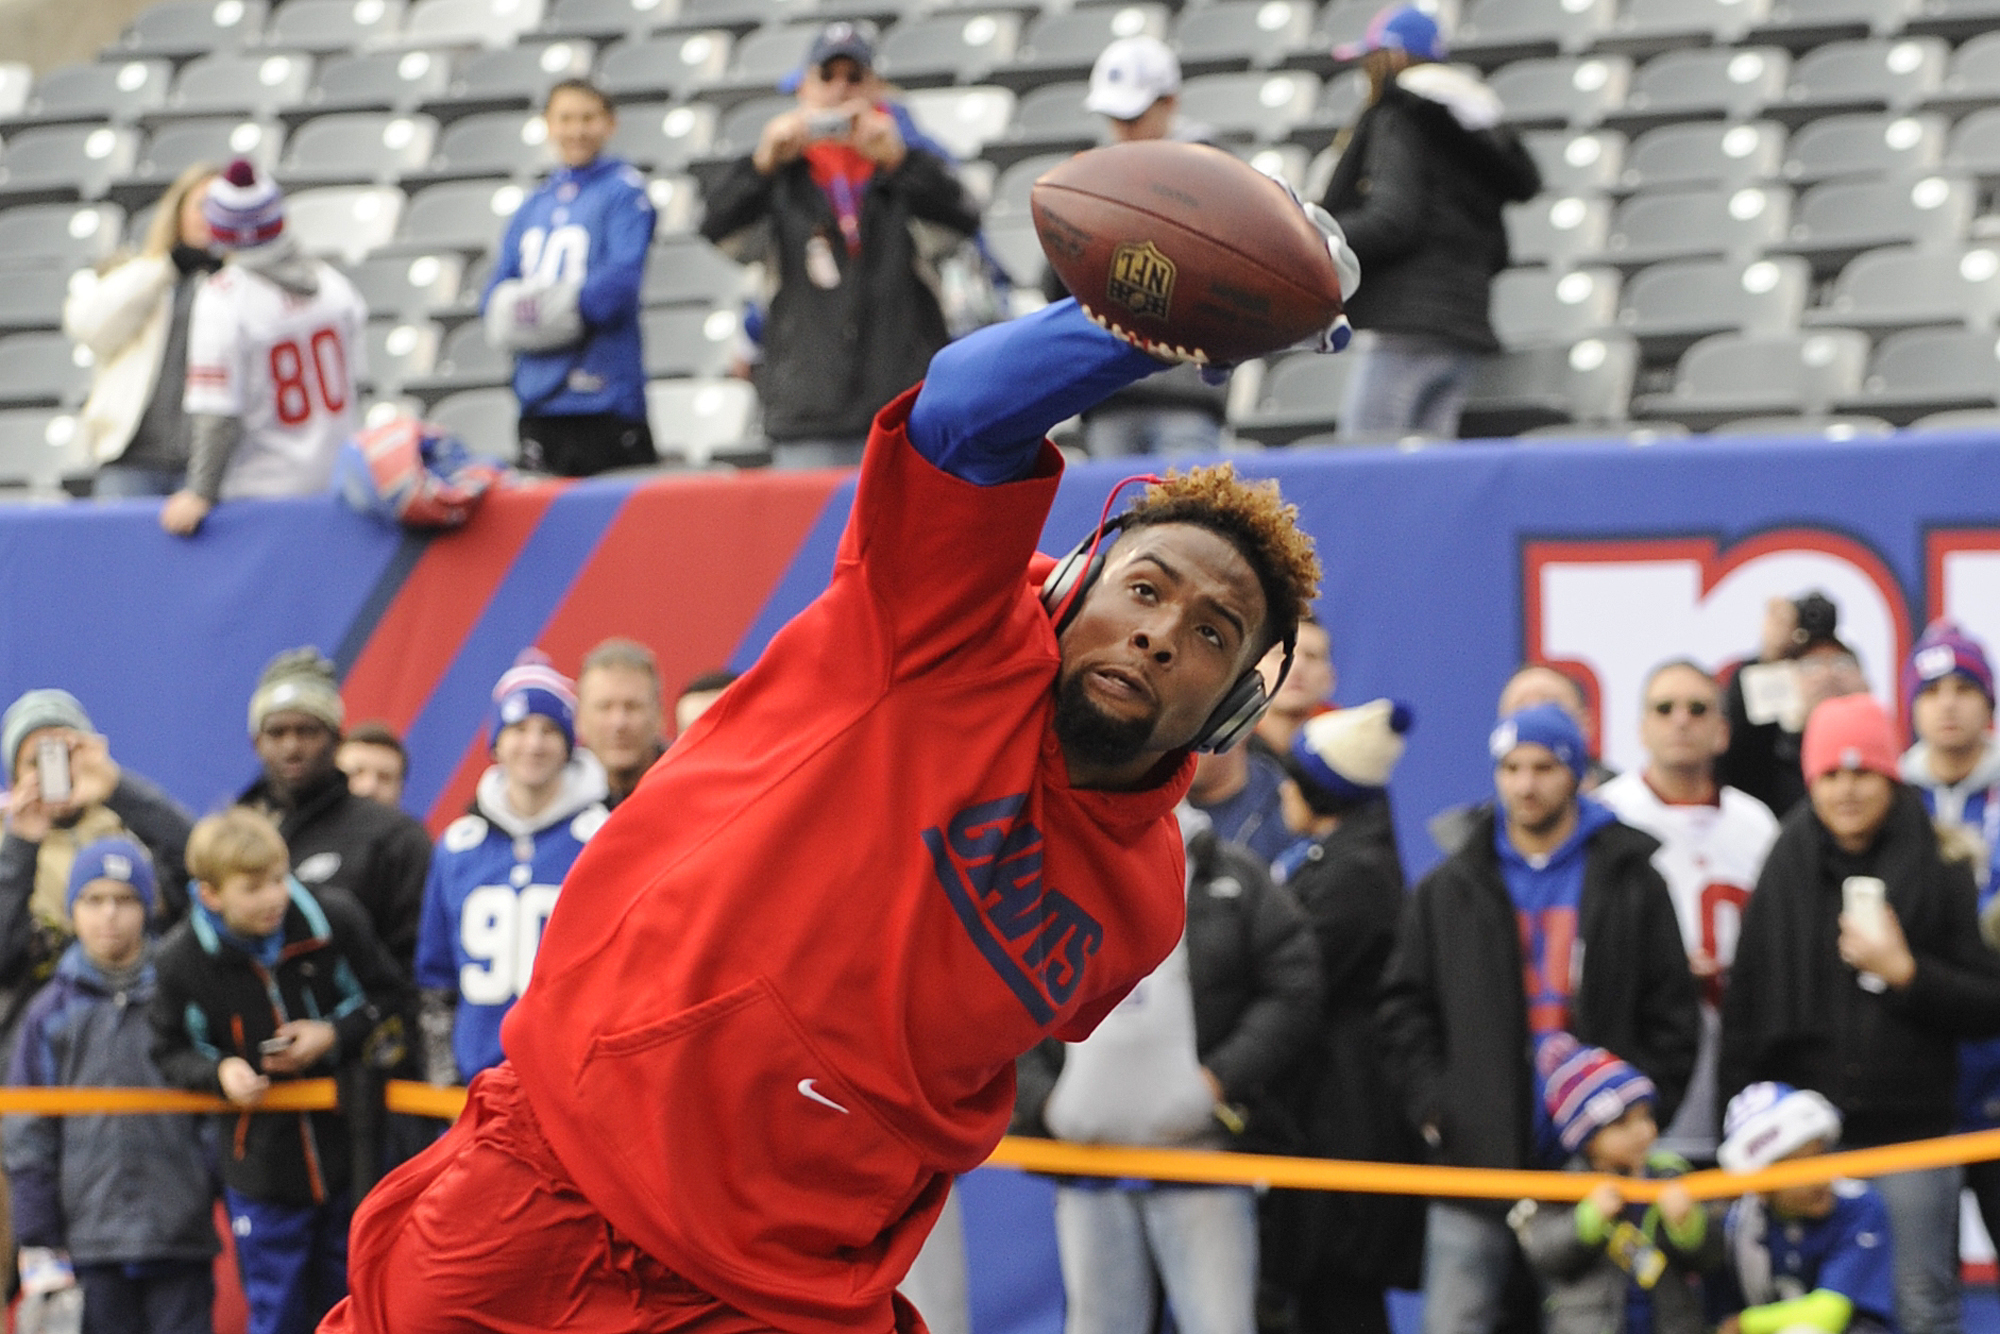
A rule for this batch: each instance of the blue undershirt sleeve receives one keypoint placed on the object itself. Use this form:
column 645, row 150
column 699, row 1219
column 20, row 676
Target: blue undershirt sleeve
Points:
column 991, row 397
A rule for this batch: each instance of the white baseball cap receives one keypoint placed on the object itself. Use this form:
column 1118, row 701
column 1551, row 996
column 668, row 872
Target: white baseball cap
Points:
column 1130, row 75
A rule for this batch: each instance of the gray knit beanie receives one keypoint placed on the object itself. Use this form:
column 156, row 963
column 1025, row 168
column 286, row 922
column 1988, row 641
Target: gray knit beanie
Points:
column 35, row 710
column 299, row 680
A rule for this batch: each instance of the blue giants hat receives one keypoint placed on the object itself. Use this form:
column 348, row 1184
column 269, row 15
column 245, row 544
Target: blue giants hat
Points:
column 1398, row 28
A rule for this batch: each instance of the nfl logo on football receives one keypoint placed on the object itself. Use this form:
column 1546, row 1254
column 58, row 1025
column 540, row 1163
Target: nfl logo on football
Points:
column 1141, row 278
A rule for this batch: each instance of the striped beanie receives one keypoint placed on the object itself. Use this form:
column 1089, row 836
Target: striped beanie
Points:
column 532, row 685
column 1585, row 1088
column 243, row 209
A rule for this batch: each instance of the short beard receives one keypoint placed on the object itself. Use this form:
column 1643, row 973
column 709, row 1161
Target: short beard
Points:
column 1089, row 734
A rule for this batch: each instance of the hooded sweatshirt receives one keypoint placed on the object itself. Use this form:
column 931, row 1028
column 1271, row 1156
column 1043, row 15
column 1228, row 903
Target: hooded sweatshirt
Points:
column 493, row 882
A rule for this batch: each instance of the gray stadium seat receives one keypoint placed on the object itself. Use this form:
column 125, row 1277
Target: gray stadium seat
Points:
column 42, row 369
column 1985, row 420
column 1826, row 426
column 1973, row 79
column 948, row 48
column 659, row 136
column 1732, row 82
column 64, row 236
column 603, row 20
column 738, row 16
column 357, row 147
column 1341, row 98
column 408, row 285
column 1589, row 380
column 1836, row 221
column 1258, row 107
column 1902, row 287
column 514, row 77
column 701, row 419
column 344, row 221
column 184, row 28
column 1974, row 147
column 687, row 340
column 1954, row 20
column 1733, row 375
column 1589, row 162
column 1921, row 371
column 1685, row 224
column 17, row 80
column 1880, row 74
column 399, row 351
column 1572, row 90
column 37, row 448
column 1051, row 118
column 120, row 91
column 469, row 216
column 668, row 66
column 470, row 22
column 178, row 145
column 493, row 143
column 487, row 420
column 380, row 81
column 1240, row 34
column 688, row 271
column 1865, row 144
column 257, row 84
column 1704, row 153
column 1010, row 192
column 1645, row 27
column 465, row 360
column 736, row 133
column 1533, row 306
column 676, row 204
column 65, row 162
column 1560, row 231
column 1301, row 395
column 1799, row 25
column 32, row 298
column 328, row 27
column 964, row 120
column 1669, row 307
column 1496, row 31
column 1064, row 44
column 1019, row 251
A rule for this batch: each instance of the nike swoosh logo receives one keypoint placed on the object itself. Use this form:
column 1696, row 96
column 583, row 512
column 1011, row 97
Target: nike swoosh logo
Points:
column 806, row 1087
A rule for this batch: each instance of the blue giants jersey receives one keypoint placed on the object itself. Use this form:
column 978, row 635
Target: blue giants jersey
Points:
column 1848, row 1252
column 487, row 898
column 590, row 225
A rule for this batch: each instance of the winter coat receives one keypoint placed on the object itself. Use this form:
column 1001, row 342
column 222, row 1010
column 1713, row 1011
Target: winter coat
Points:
column 215, row 1001
column 1795, row 1012
column 122, row 317
column 1420, row 199
column 834, row 356
column 1453, row 1020
column 1763, row 758
column 108, row 1189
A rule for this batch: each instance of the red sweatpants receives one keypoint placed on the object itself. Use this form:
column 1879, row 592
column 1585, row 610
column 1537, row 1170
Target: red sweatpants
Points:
column 484, row 1232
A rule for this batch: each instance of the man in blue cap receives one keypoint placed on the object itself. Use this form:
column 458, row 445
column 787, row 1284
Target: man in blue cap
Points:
column 1549, row 918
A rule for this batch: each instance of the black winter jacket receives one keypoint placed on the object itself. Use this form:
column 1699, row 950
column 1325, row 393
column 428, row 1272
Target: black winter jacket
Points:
column 214, row 1001
column 834, row 356
column 1420, row 200
column 1795, row 1012
column 1453, row 1019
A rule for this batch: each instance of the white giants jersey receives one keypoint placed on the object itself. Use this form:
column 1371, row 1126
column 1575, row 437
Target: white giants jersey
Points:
column 286, row 365
column 1710, row 857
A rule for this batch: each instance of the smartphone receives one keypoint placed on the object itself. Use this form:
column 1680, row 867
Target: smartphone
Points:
column 52, row 762
column 1864, row 901
column 828, row 124
column 272, row 1046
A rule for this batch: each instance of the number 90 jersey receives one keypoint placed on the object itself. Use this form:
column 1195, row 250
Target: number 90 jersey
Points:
column 493, row 882
column 286, row 364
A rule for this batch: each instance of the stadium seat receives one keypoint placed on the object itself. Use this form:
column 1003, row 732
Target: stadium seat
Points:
column 1921, row 371
column 948, row 48
column 676, row 204
column 1865, row 144
column 1799, row 25
column 1879, row 74
column 379, row 81
column 1974, row 146
column 469, row 22
column 17, row 80
column 1284, row 162
column 178, row 145
column 964, row 120
column 31, row 297
column 1646, row 27
column 357, row 147
column 1340, row 22
column 1019, row 251
column 689, row 341
column 1341, row 98
column 737, row 132
column 1064, row 44
column 1533, row 306
column 1050, row 119
column 468, row 216
column 603, row 20
column 1838, row 220
column 1704, row 153
column 408, row 285
column 1009, row 202
column 1588, row 380
column 182, row 28
column 1566, row 91
column 1973, row 79
column 327, row 27
column 516, row 78
column 122, row 91
column 493, row 143
column 42, row 369
column 344, row 221
column 1826, row 426
column 1560, row 231
column 37, row 448
column 668, row 67
column 258, row 84
column 487, row 420
column 61, row 236
column 1590, row 162
column 399, row 351
column 1733, row 375
column 658, row 136
column 1684, row 224
column 1985, row 420
column 1497, row 31
column 1258, row 107
column 1240, row 34
column 1670, row 306
column 688, row 271
column 65, row 162
column 738, row 16
column 1902, row 287
column 1630, row 432
column 700, row 419
column 1731, row 82
column 1301, row 395
column 465, row 360
column 1954, row 20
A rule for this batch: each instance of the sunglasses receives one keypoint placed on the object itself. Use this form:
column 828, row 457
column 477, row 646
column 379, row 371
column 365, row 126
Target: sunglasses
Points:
column 1696, row 708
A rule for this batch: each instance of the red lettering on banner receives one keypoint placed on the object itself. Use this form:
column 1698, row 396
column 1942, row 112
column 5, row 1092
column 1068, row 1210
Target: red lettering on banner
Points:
column 1721, row 910
column 1545, row 972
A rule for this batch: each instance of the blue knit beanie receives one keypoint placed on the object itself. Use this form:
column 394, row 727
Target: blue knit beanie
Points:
column 117, row 859
column 1542, row 725
column 532, row 685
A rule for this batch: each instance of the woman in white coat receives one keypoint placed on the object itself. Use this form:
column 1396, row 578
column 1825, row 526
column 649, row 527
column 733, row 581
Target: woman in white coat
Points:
column 132, row 315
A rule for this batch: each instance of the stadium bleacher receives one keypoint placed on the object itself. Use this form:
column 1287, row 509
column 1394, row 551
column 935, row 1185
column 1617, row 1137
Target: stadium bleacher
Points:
column 1751, row 207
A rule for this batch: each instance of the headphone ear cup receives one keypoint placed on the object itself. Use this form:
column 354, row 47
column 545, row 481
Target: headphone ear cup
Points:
column 1235, row 716
column 1068, row 582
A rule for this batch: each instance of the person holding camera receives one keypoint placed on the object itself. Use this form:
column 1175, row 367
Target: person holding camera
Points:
column 1801, row 662
column 853, row 321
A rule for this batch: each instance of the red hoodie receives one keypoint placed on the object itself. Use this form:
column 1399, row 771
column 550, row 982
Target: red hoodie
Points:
column 780, row 998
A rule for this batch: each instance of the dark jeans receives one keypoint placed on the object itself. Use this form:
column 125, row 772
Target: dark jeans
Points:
column 161, row 1297
column 583, row 446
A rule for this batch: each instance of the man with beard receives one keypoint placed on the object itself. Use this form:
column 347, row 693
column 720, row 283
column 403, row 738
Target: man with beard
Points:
column 778, row 1003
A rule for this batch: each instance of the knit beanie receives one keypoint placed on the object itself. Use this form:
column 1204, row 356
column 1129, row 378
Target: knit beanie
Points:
column 532, row 685
column 299, row 680
column 1770, row 1121
column 1541, row 725
column 1849, row 732
column 32, row 712
column 243, row 208
column 1944, row 649
column 112, row 859
column 1585, row 1088
column 1344, row 758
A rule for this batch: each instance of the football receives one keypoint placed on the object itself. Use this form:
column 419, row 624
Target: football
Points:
column 1185, row 251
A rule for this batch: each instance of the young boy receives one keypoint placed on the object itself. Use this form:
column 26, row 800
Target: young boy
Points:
column 1815, row 1257
column 496, row 873
column 126, row 1200
column 266, row 981
column 1609, row 1266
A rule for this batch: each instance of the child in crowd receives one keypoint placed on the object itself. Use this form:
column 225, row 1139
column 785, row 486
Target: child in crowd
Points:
column 494, row 878
column 126, row 1200
column 267, row 981
column 1609, row 1266
column 1805, row 1258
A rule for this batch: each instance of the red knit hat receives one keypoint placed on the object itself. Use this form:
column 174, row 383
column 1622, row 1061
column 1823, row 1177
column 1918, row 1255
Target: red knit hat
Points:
column 1851, row 732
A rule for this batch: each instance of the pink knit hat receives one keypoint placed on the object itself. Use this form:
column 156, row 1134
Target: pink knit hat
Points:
column 1851, row 732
